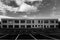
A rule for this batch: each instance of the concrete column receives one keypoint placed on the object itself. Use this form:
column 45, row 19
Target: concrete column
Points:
column 49, row 24
column 1, row 25
column 13, row 23
column 55, row 23
column 54, row 26
column 19, row 24
column 7, row 24
column 46, row 26
column 43, row 24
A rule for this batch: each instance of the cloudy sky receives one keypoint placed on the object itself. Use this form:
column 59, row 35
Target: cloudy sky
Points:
column 49, row 9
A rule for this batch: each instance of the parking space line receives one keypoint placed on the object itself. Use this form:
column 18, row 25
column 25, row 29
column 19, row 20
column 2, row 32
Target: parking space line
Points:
column 33, row 36
column 4, row 35
column 47, row 36
column 17, row 36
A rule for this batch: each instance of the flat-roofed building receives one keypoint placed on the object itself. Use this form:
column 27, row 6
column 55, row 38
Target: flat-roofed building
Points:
column 29, row 23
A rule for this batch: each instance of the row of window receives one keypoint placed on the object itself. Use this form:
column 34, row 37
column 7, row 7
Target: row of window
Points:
column 29, row 26
column 17, row 21
column 29, row 21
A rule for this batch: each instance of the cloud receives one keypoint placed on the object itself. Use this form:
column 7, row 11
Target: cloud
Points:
column 44, row 12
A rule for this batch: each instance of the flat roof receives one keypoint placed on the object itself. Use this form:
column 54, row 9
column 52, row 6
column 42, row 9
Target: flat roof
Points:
column 26, row 17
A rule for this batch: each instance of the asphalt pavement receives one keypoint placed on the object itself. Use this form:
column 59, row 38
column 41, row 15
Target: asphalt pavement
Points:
column 30, row 36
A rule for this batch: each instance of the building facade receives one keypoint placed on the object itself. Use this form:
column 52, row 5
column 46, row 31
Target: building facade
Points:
column 28, row 23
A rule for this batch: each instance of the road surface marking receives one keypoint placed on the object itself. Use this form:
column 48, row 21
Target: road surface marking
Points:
column 33, row 36
column 17, row 37
column 4, row 35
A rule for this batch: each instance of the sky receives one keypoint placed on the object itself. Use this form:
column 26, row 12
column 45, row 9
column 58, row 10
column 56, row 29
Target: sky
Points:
column 52, row 9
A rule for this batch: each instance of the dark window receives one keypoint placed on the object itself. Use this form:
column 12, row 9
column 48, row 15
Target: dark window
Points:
column 10, row 21
column 51, row 21
column 41, row 21
column 38, row 21
column 16, row 26
column 32, row 21
column 22, row 21
column 38, row 25
column 35, row 25
column 56, row 21
column 46, row 21
column 28, row 21
column 0, row 26
column 44, row 26
column 51, row 26
column 4, row 21
column 10, row 26
column 32, row 25
column 16, row 21
column 41, row 26
column 22, row 26
column 28, row 26
column 47, row 26
column 4, row 26
column 57, row 26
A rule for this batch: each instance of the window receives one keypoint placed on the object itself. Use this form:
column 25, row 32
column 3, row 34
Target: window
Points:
column 56, row 21
column 28, row 21
column 51, row 21
column 38, row 25
column 47, row 26
column 32, row 25
column 32, row 21
column 44, row 26
column 16, row 21
column 41, row 21
column 38, row 21
column 46, row 21
column 35, row 25
column 41, row 26
column 10, row 26
column 57, row 26
column 16, row 26
column 28, row 26
column 51, row 26
column 4, row 21
column 22, row 21
column 10, row 21
column 4, row 26
column 22, row 26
